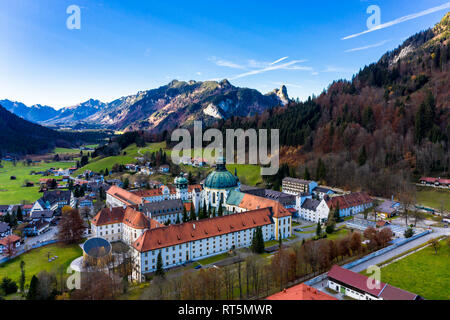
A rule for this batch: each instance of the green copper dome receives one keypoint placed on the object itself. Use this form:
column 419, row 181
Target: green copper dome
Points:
column 181, row 180
column 221, row 178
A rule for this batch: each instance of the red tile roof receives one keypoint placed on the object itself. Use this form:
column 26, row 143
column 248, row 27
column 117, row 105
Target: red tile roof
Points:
column 349, row 200
column 252, row 202
column 195, row 230
column 194, row 186
column 354, row 279
column 124, row 195
column 129, row 216
column 394, row 293
column 11, row 238
column 301, row 292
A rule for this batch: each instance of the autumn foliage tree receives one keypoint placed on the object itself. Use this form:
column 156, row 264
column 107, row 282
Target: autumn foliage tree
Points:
column 71, row 226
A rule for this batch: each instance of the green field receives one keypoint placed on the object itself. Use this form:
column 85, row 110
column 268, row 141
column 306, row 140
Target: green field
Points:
column 132, row 152
column 433, row 197
column 248, row 174
column 12, row 192
column 338, row 234
column 423, row 273
column 65, row 151
column 36, row 260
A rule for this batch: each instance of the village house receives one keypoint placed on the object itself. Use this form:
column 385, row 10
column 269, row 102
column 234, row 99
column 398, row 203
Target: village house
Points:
column 54, row 200
column 11, row 239
column 356, row 286
column 36, row 228
column 435, row 181
column 164, row 168
column 314, row 210
column 5, row 229
column 387, row 209
column 46, row 215
column 350, row 204
column 321, row 192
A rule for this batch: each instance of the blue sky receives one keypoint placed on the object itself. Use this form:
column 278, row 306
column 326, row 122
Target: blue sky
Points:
column 127, row 46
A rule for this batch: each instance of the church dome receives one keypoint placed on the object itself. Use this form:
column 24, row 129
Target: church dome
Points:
column 180, row 179
column 221, row 178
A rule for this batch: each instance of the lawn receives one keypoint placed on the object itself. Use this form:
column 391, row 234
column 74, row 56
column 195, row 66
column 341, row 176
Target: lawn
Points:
column 36, row 260
column 213, row 259
column 423, row 273
column 338, row 234
column 132, row 152
column 12, row 192
column 433, row 197
column 65, row 151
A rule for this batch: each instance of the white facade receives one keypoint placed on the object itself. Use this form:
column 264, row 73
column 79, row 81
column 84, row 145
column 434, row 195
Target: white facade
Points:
column 358, row 295
column 320, row 214
column 176, row 255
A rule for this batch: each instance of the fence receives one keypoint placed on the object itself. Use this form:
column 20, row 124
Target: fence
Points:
column 370, row 256
column 28, row 248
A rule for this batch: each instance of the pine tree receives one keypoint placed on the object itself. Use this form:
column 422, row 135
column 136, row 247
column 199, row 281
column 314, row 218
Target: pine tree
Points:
column 204, row 211
column 362, row 156
column 319, row 229
column 192, row 216
column 33, row 289
column 178, row 219
column 185, row 216
column 306, row 176
column 19, row 214
column 159, row 266
column 22, row 277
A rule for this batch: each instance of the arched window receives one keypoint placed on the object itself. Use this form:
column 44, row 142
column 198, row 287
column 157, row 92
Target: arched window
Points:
column 214, row 198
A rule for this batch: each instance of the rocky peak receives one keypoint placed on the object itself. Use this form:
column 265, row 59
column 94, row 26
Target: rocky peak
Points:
column 282, row 94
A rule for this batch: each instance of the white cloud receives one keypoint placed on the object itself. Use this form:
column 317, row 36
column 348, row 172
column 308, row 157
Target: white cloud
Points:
column 379, row 44
column 266, row 69
column 226, row 63
column 401, row 19
column 279, row 60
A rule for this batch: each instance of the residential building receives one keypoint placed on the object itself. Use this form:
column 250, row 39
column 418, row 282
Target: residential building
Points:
column 5, row 229
column 46, row 215
column 36, row 228
column 296, row 186
column 54, row 200
column 387, row 209
column 314, row 210
column 360, row 287
column 164, row 168
column 321, row 192
column 11, row 239
column 301, row 292
column 435, row 181
column 350, row 204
